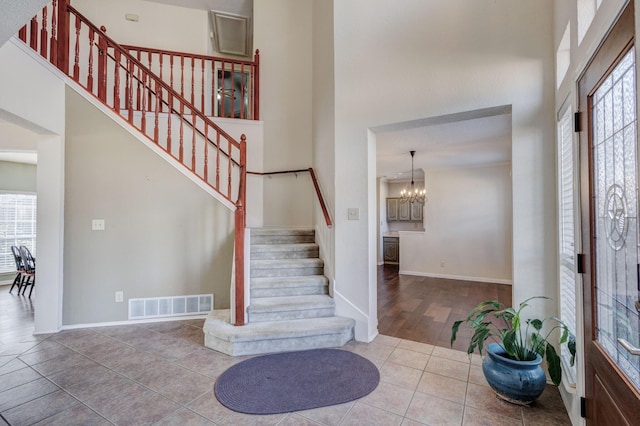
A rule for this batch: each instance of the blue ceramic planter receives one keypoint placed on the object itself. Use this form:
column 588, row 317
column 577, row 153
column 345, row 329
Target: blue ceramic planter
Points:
column 520, row 382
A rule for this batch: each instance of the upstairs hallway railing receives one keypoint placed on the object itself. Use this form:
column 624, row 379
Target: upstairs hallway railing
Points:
column 219, row 87
column 83, row 52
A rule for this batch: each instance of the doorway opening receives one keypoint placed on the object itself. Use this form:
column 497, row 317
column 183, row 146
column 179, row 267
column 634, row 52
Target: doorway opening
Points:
column 40, row 153
column 460, row 254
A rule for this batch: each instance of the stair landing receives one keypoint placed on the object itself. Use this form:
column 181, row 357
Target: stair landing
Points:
column 275, row 336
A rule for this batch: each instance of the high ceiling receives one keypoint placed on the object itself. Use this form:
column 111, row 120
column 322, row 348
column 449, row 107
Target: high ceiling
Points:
column 469, row 139
column 237, row 7
column 232, row 26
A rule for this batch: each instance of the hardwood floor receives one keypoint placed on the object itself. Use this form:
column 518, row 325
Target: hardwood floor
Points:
column 423, row 309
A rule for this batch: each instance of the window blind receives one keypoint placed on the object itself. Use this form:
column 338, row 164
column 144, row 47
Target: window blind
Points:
column 17, row 226
column 566, row 156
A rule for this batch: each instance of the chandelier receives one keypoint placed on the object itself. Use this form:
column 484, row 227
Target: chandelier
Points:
column 413, row 193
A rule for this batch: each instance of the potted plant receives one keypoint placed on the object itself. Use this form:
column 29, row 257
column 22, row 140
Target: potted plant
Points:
column 512, row 367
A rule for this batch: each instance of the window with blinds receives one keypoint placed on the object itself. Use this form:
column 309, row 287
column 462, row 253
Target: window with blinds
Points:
column 566, row 157
column 17, row 226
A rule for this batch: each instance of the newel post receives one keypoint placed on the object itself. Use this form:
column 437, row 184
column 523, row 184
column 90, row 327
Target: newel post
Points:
column 240, row 219
column 62, row 59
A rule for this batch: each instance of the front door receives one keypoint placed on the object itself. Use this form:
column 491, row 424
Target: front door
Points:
column 609, row 205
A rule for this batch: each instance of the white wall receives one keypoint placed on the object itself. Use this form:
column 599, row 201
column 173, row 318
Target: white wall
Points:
column 398, row 61
column 164, row 236
column 15, row 14
column 323, row 126
column 467, row 224
column 160, row 26
column 282, row 32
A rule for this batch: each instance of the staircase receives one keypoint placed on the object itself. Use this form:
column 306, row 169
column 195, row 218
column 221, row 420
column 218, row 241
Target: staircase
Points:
column 290, row 307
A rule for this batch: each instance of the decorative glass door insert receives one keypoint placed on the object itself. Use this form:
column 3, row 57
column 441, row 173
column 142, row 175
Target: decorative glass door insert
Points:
column 616, row 204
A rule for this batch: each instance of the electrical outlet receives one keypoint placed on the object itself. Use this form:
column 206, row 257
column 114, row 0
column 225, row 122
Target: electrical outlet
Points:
column 119, row 296
column 97, row 225
column 353, row 213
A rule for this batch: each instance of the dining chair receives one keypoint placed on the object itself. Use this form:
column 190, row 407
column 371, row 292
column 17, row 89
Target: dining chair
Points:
column 29, row 263
column 19, row 269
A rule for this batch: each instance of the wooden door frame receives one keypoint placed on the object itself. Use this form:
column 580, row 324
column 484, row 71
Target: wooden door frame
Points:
column 615, row 45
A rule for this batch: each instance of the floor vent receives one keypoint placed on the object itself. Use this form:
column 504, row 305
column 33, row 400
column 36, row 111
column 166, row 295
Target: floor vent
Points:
column 158, row 307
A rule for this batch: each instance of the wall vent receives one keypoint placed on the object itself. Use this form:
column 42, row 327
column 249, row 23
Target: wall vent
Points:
column 158, row 307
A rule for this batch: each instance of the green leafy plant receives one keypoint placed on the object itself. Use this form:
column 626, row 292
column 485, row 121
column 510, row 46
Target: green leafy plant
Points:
column 521, row 339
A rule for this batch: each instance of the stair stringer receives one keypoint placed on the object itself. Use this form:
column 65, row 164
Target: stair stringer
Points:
column 148, row 143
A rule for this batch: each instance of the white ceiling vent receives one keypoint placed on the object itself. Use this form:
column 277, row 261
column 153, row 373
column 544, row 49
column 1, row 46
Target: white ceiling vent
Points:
column 231, row 33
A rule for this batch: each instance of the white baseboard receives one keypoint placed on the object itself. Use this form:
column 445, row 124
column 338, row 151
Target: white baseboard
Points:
column 132, row 322
column 457, row 277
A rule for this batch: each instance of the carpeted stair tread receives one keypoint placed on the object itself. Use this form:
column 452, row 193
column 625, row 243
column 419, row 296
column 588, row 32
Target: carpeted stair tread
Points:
column 289, row 286
column 273, row 329
column 278, row 282
column 282, row 236
column 287, row 263
column 291, row 303
column 284, row 251
column 282, row 231
column 282, row 247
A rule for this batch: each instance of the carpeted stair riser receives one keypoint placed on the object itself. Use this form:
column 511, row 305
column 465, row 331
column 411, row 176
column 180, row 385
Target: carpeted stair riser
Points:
column 289, row 286
column 284, row 251
column 292, row 236
column 290, row 315
column 290, row 308
column 286, row 268
column 285, row 272
column 276, row 336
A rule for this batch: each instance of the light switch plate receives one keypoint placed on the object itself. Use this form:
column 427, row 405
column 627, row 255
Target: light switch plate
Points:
column 354, row 213
column 97, row 225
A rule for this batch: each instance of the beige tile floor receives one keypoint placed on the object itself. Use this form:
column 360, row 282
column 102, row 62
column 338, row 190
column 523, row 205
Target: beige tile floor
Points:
column 160, row 373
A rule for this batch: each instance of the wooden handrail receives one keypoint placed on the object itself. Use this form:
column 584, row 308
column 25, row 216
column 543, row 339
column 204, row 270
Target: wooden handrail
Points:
column 111, row 43
column 186, row 54
column 173, row 110
column 323, row 206
column 316, row 185
column 283, row 172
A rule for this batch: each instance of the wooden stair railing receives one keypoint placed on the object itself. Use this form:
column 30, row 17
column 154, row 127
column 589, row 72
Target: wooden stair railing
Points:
column 83, row 52
column 316, row 186
column 219, row 87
